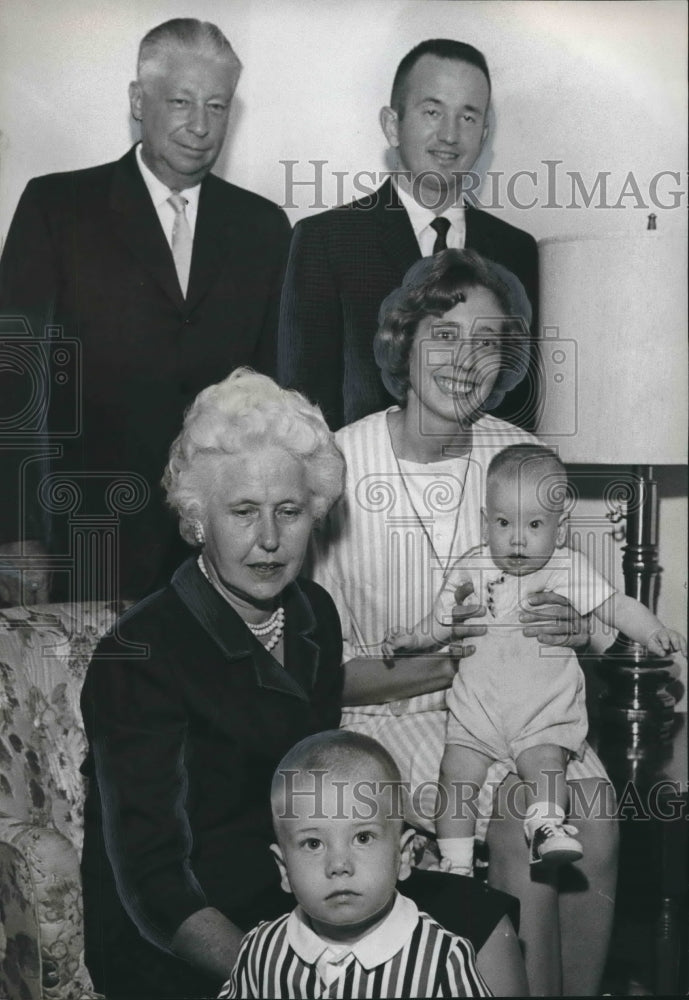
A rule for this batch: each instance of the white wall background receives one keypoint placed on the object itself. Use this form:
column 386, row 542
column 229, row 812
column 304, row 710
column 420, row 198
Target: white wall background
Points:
column 598, row 85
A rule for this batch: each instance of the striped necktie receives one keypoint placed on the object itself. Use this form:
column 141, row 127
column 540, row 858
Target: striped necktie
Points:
column 442, row 227
column 182, row 241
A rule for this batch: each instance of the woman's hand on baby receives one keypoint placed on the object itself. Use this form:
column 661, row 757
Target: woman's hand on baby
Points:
column 461, row 612
column 666, row 640
column 552, row 620
column 399, row 642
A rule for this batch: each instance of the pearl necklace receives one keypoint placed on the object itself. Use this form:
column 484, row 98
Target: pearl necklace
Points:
column 274, row 624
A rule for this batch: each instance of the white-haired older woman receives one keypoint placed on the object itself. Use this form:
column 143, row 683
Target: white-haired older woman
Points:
column 451, row 341
column 202, row 687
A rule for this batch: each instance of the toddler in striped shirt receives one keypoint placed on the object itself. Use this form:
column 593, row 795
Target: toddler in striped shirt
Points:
column 341, row 849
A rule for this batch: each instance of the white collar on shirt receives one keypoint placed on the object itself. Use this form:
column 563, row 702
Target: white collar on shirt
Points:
column 373, row 949
column 421, row 217
column 160, row 193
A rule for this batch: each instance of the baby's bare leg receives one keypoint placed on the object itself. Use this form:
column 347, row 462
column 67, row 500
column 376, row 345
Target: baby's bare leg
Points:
column 462, row 772
column 543, row 768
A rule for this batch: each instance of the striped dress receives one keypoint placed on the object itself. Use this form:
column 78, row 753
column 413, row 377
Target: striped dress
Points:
column 383, row 555
column 431, row 962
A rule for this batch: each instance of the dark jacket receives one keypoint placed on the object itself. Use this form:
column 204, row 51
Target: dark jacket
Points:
column 86, row 253
column 342, row 264
column 183, row 741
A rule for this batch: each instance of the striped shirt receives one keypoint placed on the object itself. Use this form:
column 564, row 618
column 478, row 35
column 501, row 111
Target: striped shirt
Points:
column 407, row 955
column 383, row 554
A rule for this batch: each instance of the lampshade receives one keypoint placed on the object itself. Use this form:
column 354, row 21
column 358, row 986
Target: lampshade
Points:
column 613, row 322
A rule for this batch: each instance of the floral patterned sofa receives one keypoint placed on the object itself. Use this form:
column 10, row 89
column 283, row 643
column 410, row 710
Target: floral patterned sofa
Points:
column 44, row 652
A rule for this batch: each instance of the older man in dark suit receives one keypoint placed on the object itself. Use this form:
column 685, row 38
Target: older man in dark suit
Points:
column 160, row 278
column 343, row 262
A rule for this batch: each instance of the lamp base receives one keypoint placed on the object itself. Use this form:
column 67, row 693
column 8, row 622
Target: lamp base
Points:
column 637, row 707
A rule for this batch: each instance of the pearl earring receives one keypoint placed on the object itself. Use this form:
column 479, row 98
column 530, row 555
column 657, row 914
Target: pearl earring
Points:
column 199, row 533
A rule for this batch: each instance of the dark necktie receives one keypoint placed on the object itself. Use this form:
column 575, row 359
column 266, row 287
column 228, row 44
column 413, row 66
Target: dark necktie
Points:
column 441, row 226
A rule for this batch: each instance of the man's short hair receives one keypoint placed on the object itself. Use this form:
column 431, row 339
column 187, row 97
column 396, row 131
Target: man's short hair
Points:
column 443, row 48
column 183, row 33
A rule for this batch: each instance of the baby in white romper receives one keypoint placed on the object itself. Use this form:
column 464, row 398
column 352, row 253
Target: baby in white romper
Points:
column 513, row 700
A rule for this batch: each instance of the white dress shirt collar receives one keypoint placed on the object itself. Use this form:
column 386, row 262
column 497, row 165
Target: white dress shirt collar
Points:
column 421, row 219
column 371, row 950
column 160, row 193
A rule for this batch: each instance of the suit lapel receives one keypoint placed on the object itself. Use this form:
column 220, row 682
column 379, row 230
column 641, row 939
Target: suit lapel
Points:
column 476, row 236
column 302, row 654
column 395, row 232
column 136, row 222
column 231, row 635
column 217, row 237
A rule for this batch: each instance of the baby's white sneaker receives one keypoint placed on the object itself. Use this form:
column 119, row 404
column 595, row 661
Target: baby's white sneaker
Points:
column 554, row 844
column 551, row 840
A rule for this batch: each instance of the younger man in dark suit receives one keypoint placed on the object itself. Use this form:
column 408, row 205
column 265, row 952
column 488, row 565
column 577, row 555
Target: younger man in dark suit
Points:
column 162, row 278
column 345, row 261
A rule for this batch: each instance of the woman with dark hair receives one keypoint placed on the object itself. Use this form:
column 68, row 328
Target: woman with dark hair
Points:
column 451, row 341
column 432, row 288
